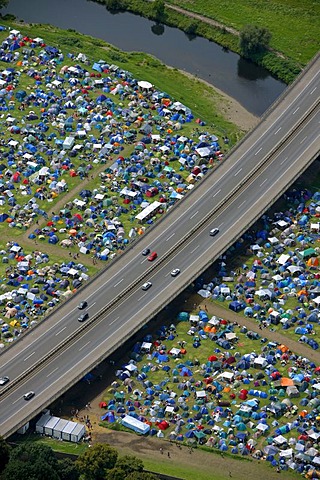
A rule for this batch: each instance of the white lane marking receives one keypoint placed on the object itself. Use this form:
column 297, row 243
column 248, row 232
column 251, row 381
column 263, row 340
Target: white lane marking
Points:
column 195, row 213
column 312, row 91
column 277, row 131
column 58, row 333
column 103, row 285
column 237, row 173
column 264, row 181
column 57, row 368
column 145, row 306
column 281, row 163
column 18, row 399
column 138, row 301
column 258, row 151
column 92, row 304
column 29, row 356
column 293, row 113
column 84, row 346
column 220, row 225
column 239, row 206
column 118, row 283
column 36, row 340
column 305, row 138
column 196, row 248
column 216, row 193
column 171, row 236
column 113, row 321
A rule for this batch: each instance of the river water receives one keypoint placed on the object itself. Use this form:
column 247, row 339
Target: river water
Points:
column 252, row 86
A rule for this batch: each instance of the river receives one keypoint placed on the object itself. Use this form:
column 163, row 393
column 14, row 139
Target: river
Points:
column 252, row 86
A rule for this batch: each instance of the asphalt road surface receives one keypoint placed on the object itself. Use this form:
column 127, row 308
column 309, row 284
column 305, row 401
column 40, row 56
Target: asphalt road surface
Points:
column 213, row 201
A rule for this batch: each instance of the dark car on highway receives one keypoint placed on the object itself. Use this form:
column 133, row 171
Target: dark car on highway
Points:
column 83, row 305
column 146, row 251
column 83, row 317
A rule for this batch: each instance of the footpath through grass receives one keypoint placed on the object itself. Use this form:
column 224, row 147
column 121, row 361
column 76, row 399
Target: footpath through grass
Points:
column 294, row 24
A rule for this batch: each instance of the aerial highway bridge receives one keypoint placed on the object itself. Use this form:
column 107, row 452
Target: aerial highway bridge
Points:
column 52, row 357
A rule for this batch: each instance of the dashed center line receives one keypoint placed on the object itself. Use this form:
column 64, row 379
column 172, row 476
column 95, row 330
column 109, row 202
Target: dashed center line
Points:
column 171, row 236
column 295, row 110
column 258, row 151
column 196, row 248
column 264, row 181
column 52, row 372
column 237, row 173
column 118, row 283
column 58, row 333
column 29, row 356
column 196, row 213
column 303, row 140
column 216, row 193
column 84, row 346
column 239, row 206
column 277, row 131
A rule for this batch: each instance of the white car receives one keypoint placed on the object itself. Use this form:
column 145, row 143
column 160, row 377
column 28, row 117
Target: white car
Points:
column 28, row 395
column 146, row 286
column 4, row 380
column 214, row 232
column 175, row 272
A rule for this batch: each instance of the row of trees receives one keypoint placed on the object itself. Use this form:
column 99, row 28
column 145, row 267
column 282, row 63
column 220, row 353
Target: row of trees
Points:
column 36, row 461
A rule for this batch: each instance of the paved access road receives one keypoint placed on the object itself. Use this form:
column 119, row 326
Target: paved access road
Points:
column 193, row 255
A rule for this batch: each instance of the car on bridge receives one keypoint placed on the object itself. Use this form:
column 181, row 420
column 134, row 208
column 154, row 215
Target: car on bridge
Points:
column 83, row 305
column 83, row 317
column 146, row 286
column 29, row 395
column 4, row 380
column 175, row 272
column 214, row 232
column 152, row 256
column 146, row 252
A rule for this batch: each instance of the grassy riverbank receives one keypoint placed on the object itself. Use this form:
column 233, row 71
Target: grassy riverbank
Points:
column 293, row 25
column 202, row 98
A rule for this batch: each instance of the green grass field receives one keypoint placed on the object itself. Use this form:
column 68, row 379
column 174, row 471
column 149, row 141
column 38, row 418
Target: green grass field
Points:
column 294, row 24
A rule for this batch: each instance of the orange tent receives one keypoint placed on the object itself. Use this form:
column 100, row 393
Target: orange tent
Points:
column 313, row 261
column 286, row 382
column 283, row 348
column 303, row 413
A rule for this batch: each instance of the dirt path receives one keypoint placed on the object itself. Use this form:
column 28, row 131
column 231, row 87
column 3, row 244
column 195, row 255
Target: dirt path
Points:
column 147, row 448
column 203, row 19
column 296, row 347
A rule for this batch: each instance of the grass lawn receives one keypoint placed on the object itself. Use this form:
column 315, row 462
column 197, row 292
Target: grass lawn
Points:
column 294, row 24
column 56, row 445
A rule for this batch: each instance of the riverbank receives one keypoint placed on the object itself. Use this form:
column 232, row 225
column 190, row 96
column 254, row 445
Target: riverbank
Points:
column 231, row 110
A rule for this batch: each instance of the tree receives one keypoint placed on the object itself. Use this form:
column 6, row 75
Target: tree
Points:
column 94, row 463
column 67, row 470
column 254, row 39
column 26, row 470
column 4, row 454
column 142, row 476
column 33, row 453
column 158, row 8
column 115, row 474
column 31, row 461
column 130, row 463
column 3, row 3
